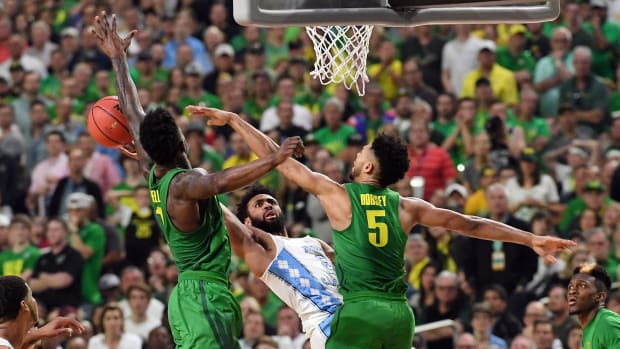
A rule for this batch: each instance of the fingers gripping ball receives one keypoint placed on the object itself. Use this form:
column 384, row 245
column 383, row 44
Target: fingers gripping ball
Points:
column 106, row 123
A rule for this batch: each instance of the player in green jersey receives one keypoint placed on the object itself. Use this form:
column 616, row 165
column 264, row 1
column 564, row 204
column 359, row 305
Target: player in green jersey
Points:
column 371, row 224
column 587, row 293
column 202, row 311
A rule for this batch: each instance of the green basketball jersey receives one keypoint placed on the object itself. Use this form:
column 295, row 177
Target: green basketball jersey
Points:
column 370, row 252
column 603, row 332
column 206, row 248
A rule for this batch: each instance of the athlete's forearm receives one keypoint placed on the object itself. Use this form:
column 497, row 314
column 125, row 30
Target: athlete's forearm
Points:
column 240, row 176
column 130, row 105
column 487, row 229
column 237, row 232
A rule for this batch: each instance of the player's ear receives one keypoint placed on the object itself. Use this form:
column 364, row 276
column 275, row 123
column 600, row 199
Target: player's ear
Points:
column 369, row 167
column 247, row 221
column 601, row 297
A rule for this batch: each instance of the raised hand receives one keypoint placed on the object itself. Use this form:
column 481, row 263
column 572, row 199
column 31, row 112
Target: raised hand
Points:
column 216, row 117
column 289, row 147
column 108, row 39
column 547, row 246
column 60, row 326
column 129, row 150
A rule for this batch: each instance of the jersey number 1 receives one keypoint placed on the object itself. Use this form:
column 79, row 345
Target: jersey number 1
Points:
column 160, row 213
column 380, row 238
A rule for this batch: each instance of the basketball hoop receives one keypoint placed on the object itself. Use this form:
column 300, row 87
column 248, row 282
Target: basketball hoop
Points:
column 341, row 53
column 341, row 31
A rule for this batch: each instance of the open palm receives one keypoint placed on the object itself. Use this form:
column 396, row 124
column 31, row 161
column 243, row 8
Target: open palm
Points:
column 108, row 39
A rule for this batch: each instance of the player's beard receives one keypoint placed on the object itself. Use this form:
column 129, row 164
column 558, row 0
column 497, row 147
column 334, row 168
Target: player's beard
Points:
column 353, row 173
column 275, row 227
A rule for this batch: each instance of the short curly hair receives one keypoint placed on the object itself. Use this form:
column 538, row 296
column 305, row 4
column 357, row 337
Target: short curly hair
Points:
column 13, row 290
column 601, row 276
column 242, row 205
column 160, row 136
column 391, row 152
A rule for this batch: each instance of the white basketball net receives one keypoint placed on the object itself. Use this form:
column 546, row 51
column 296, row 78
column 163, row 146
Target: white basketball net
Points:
column 341, row 53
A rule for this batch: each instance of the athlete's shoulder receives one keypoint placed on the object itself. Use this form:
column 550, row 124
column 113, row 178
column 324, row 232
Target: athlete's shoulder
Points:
column 611, row 317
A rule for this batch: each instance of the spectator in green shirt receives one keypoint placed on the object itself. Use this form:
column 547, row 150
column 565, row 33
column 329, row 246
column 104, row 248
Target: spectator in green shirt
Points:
column 535, row 129
column 515, row 57
column 194, row 93
column 88, row 238
column 459, row 142
column 333, row 136
column 606, row 36
column 21, row 257
column 592, row 196
column 444, row 122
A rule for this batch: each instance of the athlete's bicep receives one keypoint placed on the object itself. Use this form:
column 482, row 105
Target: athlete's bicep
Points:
column 247, row 243
column 237, row 232
column 195, row 185
column 310, row 181
column 416, row 211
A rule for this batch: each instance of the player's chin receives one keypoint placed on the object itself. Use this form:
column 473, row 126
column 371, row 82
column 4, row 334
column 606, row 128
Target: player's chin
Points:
column 573, row 309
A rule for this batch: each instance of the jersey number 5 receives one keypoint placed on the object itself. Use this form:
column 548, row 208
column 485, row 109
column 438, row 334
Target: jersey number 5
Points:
column 380, row 238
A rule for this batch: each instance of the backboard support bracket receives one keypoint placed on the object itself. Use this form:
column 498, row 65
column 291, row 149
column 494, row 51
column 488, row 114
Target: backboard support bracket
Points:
column 248, row 12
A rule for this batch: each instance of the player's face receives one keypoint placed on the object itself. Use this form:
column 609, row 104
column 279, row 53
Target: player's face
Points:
column 582, row 294
column 362, row 158
column 32, row 317
column 265, row 213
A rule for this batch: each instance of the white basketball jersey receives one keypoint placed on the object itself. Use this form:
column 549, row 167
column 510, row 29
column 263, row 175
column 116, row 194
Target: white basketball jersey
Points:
column 304, row 278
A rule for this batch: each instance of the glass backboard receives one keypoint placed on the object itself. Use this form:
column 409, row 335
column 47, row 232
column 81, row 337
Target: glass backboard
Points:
column 274, row 13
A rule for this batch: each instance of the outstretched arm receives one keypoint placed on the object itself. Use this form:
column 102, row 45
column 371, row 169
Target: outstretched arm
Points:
column 414, row 211
column 197, row 184
column 313, row 182
column 115, row 48
column 251, row 245
column 60, row 326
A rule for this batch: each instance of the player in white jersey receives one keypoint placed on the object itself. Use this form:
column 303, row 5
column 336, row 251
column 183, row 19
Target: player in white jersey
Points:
column 299, row 271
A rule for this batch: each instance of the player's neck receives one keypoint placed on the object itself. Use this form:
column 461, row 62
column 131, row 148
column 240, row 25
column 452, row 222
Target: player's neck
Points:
column 365, row 179
column 161, row 170
column 586, row 318
column 10, row 331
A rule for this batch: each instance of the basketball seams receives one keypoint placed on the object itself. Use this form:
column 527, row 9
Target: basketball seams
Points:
column 107, row 138
column 102, row 132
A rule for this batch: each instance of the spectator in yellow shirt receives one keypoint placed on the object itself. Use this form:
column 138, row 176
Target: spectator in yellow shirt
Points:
column 502, row 80
column 476, row 203
column 388, row 71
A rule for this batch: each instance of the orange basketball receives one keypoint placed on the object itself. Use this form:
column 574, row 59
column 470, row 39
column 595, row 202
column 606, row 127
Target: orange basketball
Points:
column 106, row 123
